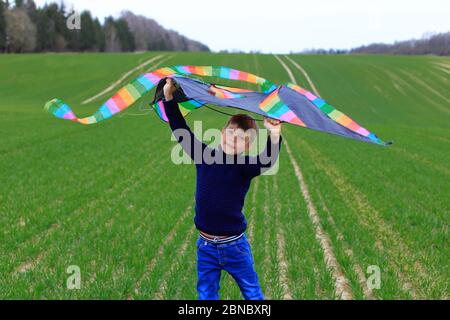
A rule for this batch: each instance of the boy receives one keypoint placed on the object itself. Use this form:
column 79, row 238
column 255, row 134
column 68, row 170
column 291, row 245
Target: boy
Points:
column 220, row 193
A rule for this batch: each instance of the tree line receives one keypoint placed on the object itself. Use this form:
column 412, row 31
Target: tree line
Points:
column 437, row 44
column 24, row 27
column 431, row 43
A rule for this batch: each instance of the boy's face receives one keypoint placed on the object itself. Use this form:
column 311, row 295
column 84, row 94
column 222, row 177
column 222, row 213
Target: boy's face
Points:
column 234, row 140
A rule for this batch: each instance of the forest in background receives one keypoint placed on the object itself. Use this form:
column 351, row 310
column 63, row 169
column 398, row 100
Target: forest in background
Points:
column 25, row 27
column 431, row 43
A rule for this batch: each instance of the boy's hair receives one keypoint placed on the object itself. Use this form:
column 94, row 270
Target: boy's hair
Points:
column 244, row 122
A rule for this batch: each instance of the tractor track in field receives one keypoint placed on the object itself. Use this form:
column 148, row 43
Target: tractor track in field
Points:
column 283, row 278
column 341, row 283
column 435, row 71
column 390, row 242
column 424, row 84
column 368, row 292
column 267, row 239
column 401, row 85
column 161, row 250
column 427, row 97
column 443, row 67
column 305, row 74
column 124, row 77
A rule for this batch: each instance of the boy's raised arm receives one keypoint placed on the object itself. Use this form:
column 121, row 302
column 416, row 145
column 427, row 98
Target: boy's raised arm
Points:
column 184, row 135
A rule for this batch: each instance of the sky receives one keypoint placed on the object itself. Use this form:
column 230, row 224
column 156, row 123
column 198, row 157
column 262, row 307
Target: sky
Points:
column 284, row 26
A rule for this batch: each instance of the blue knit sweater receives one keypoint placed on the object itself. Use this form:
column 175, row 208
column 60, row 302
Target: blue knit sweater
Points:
column 221, row 185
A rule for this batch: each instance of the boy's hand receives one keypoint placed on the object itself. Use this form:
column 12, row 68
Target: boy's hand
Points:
column 169, row 89
column 274, row 127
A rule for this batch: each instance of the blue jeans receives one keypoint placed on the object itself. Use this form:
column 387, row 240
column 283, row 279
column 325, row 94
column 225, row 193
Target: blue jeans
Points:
column 236, row 258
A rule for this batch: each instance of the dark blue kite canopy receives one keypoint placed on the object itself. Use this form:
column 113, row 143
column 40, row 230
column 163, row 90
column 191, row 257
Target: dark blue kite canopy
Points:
column 287, row 102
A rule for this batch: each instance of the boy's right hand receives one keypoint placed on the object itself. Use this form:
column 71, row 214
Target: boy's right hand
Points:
column 169, row 89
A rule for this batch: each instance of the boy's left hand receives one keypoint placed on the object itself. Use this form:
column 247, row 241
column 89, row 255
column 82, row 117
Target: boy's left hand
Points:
column 169, row 89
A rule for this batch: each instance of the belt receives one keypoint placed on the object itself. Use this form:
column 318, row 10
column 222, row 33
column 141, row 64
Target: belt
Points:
column 217, row 240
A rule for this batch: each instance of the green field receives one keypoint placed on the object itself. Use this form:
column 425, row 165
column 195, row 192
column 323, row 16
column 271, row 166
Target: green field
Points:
column 107, row 198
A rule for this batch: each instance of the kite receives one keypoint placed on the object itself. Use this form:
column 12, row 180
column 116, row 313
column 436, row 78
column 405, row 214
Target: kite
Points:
column 288, row 102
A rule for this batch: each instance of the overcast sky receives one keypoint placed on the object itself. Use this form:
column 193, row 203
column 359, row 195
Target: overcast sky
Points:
column 282, row 26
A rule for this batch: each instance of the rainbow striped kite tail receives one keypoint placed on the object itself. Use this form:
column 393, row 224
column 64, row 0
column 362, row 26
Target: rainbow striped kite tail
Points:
column 60, row 109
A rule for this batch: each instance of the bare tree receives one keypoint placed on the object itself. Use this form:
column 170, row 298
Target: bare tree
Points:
column 20, row 31
column 149, row 35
